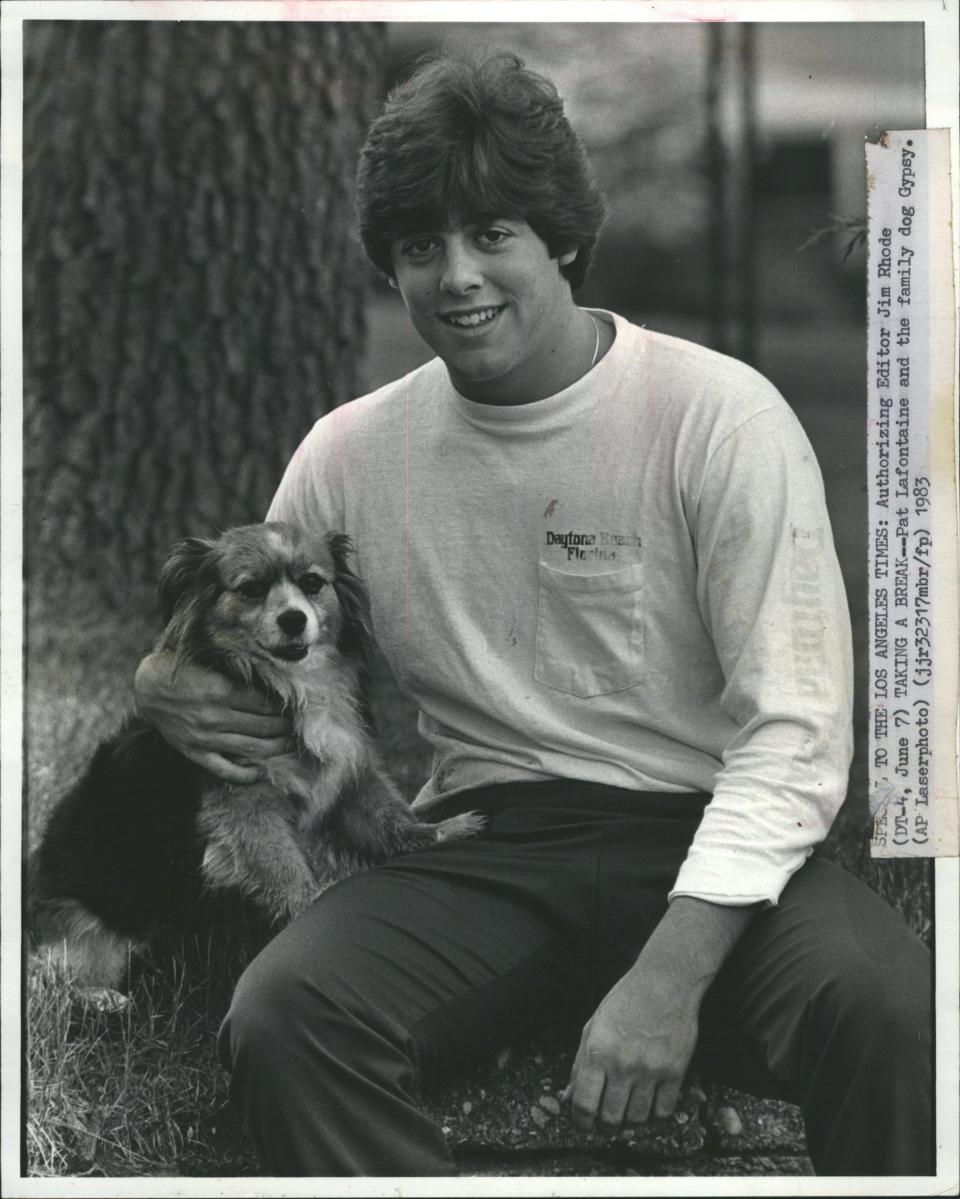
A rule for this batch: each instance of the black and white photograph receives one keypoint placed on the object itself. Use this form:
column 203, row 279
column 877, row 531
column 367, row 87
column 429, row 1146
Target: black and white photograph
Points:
column 453, row 636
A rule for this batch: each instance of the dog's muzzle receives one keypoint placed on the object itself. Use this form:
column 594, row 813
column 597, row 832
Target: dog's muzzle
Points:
column 290, row 653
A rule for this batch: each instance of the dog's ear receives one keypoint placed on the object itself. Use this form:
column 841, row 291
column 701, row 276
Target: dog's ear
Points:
column 340, row 547
column 352, row 596
column 183, row 574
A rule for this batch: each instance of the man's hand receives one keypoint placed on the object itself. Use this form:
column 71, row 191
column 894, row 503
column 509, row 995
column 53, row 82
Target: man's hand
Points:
column 223, row 728
column 636, row 1047
column 634, row 1052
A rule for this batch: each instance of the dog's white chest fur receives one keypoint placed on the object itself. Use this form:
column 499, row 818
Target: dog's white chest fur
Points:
column 333, row 742
column 257, row 839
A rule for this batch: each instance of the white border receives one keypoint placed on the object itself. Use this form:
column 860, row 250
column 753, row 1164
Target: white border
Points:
column 940, row 18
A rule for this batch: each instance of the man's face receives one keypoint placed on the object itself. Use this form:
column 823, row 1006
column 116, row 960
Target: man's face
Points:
column 492, row 303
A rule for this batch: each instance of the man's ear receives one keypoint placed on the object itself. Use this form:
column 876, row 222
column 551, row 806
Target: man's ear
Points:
column 392, row 281
column 568, row 257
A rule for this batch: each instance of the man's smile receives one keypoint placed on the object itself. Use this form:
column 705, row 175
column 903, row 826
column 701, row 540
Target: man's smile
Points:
column 471, row 318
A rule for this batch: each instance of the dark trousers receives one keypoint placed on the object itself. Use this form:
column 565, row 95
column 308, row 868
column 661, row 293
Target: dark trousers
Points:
column 434, row 958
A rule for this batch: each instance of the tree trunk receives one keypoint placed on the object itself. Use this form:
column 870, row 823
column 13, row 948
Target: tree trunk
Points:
column 748, row 349
column 716, row 160
column 193, row 288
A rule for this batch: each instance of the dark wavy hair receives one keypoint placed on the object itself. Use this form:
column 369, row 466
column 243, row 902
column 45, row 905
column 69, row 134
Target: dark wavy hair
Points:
column 472, row 141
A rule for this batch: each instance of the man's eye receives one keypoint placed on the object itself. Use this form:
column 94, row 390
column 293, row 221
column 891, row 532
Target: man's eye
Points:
column 491, row 237
column 418, row 247
column 310, row 584
column 252, row 589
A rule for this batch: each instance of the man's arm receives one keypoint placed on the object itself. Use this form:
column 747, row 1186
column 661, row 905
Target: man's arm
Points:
column 636, row 1047
column 771, row 597
column 223, row 728
column 770, row 594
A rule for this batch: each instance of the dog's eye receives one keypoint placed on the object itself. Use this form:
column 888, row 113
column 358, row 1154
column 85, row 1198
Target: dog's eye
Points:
column 252, row 589
column 310, row 584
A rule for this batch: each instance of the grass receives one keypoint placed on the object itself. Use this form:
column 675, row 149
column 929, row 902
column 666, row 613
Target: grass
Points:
column 133, row 1092
column 95, row 1106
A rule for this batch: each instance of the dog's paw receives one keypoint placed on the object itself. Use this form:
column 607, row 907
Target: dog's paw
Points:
column 454, row 828
column 101, row 999
column 283, row 906
column 220, row 867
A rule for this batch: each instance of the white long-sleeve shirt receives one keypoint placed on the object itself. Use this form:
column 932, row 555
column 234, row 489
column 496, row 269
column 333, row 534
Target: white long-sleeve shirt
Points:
column 632, row 581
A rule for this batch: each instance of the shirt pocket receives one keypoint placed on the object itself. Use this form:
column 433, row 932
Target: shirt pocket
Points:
column 589, row 630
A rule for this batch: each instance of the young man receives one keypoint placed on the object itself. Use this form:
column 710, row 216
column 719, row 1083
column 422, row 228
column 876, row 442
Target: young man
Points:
column 600, row 561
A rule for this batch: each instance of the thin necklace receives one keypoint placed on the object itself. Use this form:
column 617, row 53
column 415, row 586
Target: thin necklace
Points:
column 596, row 346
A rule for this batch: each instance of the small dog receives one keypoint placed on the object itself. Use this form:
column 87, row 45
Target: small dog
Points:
column 134, row 846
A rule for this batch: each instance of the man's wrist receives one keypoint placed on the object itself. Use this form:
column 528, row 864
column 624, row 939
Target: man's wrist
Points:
column 692, row 941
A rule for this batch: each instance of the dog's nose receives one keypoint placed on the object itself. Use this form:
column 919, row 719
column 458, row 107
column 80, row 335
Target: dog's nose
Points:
column 292, row 621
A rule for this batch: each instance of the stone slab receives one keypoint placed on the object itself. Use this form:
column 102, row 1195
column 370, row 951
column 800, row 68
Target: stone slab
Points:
column 514, row 1103
column 765, row 1125
column 702, row 1165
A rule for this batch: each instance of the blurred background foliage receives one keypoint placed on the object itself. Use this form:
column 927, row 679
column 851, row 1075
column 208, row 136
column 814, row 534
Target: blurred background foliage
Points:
column 195, row 296
column 705, row 135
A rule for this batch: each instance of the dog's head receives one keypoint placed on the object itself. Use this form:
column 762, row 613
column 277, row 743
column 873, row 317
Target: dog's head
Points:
column 261, row 597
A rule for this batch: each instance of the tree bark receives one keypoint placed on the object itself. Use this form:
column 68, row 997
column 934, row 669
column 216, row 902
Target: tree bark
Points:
column 193, row 288
column 716, row 160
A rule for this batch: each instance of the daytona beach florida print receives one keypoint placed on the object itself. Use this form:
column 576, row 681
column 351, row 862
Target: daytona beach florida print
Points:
column 581, row 546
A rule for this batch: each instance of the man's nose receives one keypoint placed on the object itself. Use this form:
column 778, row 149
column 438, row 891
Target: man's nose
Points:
column 461, row 268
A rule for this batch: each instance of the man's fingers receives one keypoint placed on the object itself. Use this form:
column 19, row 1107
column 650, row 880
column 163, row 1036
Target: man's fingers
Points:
column 203, row 684
column 252, row 749
column 223, row 768
column 641, row 1100
column 666, row 1101
column 585, row 1098
column 249, row 724
column 253, row 702
column 616, row 1095
column 597, row 1101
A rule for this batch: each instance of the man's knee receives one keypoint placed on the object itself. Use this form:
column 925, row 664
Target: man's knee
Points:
column 840, row 978
column 264, row 1012
column 303, row 999
column 878, row 1009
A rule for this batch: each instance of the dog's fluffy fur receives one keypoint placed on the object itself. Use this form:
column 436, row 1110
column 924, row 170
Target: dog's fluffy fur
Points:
column 134, row 845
